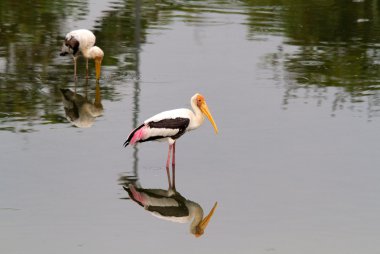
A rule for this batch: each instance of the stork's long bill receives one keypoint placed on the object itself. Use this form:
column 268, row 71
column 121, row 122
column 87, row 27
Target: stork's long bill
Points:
column 98, row 64
column 203, row 224
column 201, row 103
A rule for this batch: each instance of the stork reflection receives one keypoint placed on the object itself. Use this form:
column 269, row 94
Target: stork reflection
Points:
column 80, row 110
column 168, row 205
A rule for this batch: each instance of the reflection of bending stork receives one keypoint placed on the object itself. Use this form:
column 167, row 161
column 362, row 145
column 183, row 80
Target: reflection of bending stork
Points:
column 83, row 40
column 79, row 110
column 171, row 205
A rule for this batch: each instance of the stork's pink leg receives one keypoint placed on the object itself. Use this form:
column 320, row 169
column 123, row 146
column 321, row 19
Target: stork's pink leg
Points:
column 167, row 165
column 169, row 152
column 173, row 157
column 173, row 166
column 75, row 68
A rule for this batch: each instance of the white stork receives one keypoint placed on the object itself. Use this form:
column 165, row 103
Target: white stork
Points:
column 83, row 40
column 170, row 125
column 172, row 206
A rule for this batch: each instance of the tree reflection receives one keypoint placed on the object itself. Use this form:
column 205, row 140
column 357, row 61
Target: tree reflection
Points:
column 328, row 44
column 28, row 31
column 31, row 72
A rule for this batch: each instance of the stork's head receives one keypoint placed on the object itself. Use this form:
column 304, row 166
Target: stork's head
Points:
column 202, row 105
column 97, row 54
column 70, row 46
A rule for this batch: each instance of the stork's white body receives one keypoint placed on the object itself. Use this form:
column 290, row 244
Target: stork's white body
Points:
column 173, row 129
column 85, row 38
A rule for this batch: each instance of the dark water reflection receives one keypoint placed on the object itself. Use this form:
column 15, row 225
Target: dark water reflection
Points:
column 325, row 44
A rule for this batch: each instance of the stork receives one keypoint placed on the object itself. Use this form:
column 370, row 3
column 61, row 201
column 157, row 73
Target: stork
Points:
column 83, row 40
column 171, row 125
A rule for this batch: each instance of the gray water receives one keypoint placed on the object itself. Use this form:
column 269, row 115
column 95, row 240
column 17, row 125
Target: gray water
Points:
column 292, row 86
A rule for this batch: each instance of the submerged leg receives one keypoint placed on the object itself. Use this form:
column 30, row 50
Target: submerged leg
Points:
column 167, row 166
column 75, row 67
column 86, row 68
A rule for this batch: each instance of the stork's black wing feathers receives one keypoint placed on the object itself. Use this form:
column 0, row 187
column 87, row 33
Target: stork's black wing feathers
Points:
column 179, row 123
column 170, row 123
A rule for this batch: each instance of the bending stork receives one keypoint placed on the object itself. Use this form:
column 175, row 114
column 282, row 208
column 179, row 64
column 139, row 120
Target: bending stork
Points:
column 83, row 40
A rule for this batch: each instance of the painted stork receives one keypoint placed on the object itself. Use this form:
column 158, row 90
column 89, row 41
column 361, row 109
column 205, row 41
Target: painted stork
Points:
column 83, row 40
column 172, row 206
column 170, row 125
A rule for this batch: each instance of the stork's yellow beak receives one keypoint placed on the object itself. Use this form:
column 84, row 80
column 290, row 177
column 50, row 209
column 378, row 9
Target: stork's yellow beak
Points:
column 203, row 224
column 98, row 64
column 206, row 111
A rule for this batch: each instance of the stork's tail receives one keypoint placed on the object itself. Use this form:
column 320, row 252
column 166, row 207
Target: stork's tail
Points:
column 135, row 136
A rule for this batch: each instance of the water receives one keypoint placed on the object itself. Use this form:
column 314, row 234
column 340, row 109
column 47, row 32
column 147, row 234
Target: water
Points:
column 292, row 86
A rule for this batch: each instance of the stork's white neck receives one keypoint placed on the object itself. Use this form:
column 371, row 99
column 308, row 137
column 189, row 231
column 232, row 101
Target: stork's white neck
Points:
column 199, row 118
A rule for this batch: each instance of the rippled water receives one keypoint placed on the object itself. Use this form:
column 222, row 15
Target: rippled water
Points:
column 293, row 87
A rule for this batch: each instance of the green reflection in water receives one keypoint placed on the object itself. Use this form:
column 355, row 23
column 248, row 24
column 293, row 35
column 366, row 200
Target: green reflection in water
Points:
column 325, row 44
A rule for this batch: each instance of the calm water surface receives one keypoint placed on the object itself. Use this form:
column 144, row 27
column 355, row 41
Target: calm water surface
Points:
column 293, row 87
